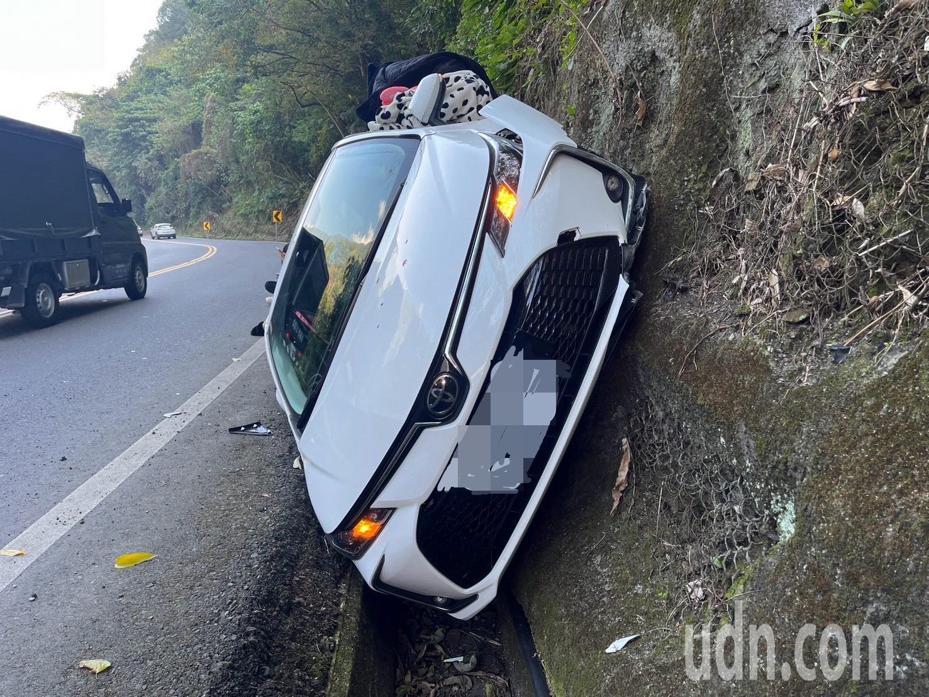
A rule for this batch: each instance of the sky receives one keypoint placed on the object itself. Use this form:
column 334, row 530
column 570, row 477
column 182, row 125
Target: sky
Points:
column 65, row 46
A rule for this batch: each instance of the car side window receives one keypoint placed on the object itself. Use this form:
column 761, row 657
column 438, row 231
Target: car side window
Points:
column 104, row 195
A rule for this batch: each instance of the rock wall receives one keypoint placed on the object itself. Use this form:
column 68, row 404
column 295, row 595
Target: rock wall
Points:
column 764, row 475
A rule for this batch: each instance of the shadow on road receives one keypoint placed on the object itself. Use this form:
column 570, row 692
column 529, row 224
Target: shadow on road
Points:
column 14, row 325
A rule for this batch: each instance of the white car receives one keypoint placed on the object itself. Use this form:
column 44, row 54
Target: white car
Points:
column 162, row 231
column 447, row 301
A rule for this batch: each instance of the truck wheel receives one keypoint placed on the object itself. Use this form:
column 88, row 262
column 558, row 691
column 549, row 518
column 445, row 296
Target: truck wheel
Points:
column 41, row 308
column 138, row 281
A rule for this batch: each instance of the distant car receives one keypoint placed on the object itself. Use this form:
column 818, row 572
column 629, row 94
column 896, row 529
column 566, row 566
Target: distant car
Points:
column 446, row 303
column 163, row 231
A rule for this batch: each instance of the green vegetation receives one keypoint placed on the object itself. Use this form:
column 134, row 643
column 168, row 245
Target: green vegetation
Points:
column 231, row 107
column 841, row 21
column 508, row 37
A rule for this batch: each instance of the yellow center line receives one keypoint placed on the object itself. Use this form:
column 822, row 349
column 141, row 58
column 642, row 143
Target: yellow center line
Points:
column 210, row 251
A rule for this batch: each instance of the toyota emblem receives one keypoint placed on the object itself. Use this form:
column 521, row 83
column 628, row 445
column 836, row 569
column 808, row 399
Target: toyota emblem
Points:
column 442, row 396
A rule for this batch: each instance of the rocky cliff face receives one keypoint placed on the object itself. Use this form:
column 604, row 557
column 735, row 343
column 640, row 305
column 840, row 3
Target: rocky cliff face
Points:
column 772, row 388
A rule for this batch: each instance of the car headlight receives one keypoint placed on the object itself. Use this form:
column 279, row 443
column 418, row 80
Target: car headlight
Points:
column 353, row 541
column 507, row 161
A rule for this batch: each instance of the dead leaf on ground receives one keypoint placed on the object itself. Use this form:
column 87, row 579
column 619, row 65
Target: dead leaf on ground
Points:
column 878, row 86
column 466, row 665
column 12, row 553
column 775, row 171
column 463, row 682
column 133, row 559
column 821, row 264
column 622, row 477
column 695, row 590
column 909, row 297
column 901, row 6
column 858, row 210
column 95, row 665
column 641, row 110
column 834, row 154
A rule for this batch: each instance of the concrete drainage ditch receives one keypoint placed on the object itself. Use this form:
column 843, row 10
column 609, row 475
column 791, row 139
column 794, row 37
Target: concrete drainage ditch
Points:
column 387, row 648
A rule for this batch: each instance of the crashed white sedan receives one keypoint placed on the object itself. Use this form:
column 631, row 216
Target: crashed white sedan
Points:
column 446, row 303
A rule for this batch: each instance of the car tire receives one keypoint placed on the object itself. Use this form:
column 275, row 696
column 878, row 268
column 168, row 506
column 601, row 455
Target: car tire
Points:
column 41, row 308
column 137, row 284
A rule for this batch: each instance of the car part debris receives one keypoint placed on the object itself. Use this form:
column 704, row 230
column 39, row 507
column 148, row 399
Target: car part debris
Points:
column 252, row 429
column 620, row 644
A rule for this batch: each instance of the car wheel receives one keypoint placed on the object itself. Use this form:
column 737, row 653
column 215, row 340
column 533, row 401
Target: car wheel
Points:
column 138, row 281
column 41, row 308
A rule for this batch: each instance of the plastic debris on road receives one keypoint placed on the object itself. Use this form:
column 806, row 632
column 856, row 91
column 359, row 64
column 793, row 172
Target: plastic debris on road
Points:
column 12, row 553
column 620, row 644
column 252, row 429
column 298, row 463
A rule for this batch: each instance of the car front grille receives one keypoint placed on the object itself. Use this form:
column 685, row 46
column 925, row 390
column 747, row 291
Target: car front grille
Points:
column 558, row 312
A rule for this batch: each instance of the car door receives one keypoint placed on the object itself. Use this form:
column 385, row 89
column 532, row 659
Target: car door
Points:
column 117, row 231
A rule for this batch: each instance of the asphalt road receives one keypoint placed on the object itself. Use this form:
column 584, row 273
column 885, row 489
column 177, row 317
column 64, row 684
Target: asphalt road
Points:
column 91, row 468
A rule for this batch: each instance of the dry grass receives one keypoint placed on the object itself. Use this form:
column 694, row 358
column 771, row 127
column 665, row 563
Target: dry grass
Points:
column 830, row 226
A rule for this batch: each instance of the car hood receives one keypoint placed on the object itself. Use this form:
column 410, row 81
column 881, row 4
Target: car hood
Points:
column 396, row 325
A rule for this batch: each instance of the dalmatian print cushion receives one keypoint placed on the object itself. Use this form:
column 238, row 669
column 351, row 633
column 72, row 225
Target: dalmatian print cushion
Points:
column 465, row 94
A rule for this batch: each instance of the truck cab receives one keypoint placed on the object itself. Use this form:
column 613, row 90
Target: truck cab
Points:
column 63, row 229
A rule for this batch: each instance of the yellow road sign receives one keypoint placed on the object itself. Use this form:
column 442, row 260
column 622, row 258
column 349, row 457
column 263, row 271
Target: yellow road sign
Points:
column 277, row 217
column 207, row 225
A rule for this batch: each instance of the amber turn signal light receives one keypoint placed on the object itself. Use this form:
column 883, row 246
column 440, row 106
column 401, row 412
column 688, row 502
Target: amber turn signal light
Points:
column 506, row 201
column 366, row 529
column 355, row 540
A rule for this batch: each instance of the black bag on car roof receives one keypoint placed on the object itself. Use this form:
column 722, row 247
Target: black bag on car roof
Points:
column 409, row 72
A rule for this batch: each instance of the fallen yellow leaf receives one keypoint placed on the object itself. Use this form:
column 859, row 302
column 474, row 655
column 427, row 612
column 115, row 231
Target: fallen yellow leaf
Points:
column 11, row 553
column 95, row 665
column 133, row 559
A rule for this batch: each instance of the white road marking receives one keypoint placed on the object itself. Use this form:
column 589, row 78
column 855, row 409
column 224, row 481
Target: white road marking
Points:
column 51, row 527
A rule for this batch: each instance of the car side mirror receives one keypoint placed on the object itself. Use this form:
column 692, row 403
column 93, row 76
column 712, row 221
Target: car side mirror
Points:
column 428, row 98
column 127, row 205
column 270, row 286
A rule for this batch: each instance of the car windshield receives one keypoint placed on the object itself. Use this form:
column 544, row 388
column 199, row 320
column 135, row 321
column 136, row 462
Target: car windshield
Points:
column 337, row 236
